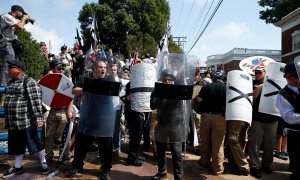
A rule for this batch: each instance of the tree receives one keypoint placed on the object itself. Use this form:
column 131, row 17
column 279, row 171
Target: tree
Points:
column 32, row 56
column 126, row 25
column 277, row 9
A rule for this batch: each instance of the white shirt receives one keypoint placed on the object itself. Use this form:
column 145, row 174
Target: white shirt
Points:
column 286, row 110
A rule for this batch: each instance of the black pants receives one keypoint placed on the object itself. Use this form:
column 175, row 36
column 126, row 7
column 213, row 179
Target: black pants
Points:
column 135, row 126
column 176, row 150
column 82, row 144
column 146, row 129
column 294, row 153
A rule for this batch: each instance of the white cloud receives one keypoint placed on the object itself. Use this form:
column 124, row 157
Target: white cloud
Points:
column 229, row 32
column 40, row 34
column 219, row 39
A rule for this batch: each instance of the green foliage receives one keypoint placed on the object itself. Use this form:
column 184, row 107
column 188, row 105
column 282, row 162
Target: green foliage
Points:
column 126, row 25
column 275, row 10
column 32, row 56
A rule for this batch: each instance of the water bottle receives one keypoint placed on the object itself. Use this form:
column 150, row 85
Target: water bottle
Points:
column 54, row 173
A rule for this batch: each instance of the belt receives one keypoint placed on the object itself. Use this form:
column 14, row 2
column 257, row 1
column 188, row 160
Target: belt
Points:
column 59, row 108
column 214, row 113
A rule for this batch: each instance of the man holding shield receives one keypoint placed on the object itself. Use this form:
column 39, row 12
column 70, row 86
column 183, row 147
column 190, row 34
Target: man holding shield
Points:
column 97, row 118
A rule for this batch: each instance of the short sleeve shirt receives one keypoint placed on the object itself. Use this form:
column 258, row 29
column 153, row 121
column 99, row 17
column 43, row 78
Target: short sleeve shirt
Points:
column 7, row 22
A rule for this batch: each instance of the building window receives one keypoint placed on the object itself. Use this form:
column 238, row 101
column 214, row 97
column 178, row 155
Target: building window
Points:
column 296, row 40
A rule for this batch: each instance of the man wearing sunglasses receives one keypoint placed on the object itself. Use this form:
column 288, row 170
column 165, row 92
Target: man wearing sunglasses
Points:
column 57, row 119
column 23, row 115
column 262, row 131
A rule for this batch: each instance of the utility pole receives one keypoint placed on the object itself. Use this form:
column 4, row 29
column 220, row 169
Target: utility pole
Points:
column 180, row 41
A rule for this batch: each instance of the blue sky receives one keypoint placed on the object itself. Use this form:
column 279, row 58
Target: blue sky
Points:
column 235, row 25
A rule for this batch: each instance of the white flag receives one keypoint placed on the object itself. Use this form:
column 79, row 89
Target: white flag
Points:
column 94, row 29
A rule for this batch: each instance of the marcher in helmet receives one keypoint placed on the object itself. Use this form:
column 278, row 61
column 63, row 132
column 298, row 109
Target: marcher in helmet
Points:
column 288, row 103
column 172, row 126
column 219, row 74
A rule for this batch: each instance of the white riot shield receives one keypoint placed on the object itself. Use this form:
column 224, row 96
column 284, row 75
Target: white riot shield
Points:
column 172, row 101
column 239, row 96
column 297, row 64
column 273, row 83
column 143, row 78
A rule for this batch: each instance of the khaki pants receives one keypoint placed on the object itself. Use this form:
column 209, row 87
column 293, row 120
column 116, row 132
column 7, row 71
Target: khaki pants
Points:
column 212, row 131
column 234, row 131
column 56, row 123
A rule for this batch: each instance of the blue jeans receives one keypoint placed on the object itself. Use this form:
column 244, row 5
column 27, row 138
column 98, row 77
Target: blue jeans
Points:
column 8, row 53
column 116, row 138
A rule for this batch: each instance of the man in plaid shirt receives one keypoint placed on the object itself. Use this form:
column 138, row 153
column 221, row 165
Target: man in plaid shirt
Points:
column 23, row 115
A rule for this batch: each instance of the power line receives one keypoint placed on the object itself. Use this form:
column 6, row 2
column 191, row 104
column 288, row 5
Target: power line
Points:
column 216, row 9
column 191, row 33
column 188, row 17
column 179, row 14
column 199, row 30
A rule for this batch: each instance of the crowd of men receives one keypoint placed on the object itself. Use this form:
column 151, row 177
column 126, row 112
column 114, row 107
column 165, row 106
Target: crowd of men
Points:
column 101, row 110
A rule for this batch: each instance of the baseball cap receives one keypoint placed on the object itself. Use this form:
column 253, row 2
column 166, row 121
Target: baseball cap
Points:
column 18, row 64
column 17, row 7
column 55, row 63
column 42, row 43
column 290, row 69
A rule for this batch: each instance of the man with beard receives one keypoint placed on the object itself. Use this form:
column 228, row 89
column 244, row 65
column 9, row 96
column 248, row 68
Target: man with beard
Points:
column 97, row 119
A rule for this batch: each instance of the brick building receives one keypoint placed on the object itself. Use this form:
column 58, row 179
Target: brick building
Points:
column 290, row 36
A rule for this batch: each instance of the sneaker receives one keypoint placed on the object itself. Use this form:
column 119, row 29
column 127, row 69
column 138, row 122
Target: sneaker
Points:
column 267, row 170
column 285, row 153
column 65, row 161
column 116, row 154
column 239, row 172
column 255, row 173
column 134, row 162
column 104, row 175
column 281, row 155
column 44, row 168
column 73, row 172
column 159, row 176
column 13, row 171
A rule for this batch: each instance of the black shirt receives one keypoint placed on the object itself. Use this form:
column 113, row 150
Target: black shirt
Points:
column 214, row 97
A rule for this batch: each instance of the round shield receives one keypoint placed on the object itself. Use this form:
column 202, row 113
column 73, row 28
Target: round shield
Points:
column 56, row 90
column 250, row 63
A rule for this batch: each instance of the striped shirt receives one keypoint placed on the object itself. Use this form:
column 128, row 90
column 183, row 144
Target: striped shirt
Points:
column 23, row 108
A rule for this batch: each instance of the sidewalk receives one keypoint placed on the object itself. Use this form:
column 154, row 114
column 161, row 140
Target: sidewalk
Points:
column 120, row 171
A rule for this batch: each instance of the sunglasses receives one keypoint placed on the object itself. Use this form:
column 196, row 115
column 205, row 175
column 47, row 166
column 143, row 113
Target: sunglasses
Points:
column 60, row 69
column 11, row 67
column 257, row 72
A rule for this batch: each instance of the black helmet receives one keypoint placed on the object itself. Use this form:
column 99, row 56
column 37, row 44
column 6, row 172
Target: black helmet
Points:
column 64, row 47
column 290, row 69
column 219, row 74
column 167, row 72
